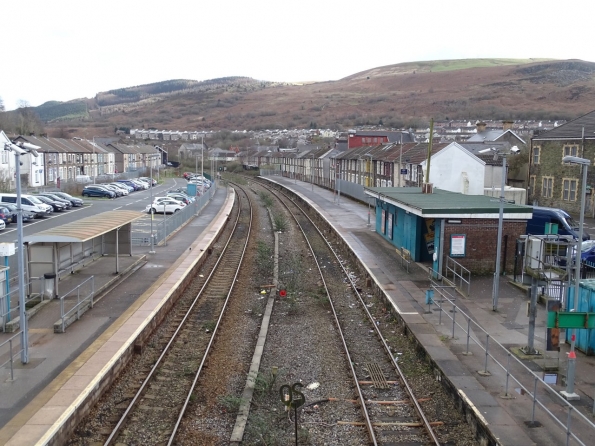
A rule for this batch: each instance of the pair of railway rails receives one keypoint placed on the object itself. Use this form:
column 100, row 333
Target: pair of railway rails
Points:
column 154, row 412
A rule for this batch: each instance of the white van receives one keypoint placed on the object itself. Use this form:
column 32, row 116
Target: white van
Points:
column 29, row 203
column 84, row 179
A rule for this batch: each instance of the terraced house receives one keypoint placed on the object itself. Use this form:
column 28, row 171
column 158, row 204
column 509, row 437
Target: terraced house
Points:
column 554, row 183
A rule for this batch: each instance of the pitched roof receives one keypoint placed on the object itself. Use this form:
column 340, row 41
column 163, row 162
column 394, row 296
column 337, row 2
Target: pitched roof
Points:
column 572, row 129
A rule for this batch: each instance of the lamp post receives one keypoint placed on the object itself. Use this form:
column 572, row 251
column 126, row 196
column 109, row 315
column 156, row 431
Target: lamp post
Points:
column 20, row 148
column 152, row 251
column 202, row 170
column 369, row 181
column 496, row 285
column 569, row 393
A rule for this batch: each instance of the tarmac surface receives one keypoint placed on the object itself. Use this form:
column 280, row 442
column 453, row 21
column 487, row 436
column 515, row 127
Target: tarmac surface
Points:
column 506, row 409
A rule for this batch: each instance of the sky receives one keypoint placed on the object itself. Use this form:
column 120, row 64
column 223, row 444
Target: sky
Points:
column 68, row 49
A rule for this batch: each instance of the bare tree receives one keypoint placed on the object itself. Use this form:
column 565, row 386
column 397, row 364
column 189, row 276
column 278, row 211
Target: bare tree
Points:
column 26, row 120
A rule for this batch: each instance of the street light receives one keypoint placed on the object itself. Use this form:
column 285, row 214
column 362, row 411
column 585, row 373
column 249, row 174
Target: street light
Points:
column 496, row 286
column 569, row 393
column 21, row 148
column 369, row 181
column 152, row 251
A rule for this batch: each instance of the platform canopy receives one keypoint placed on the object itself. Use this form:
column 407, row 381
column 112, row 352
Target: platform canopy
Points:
column 86, row 228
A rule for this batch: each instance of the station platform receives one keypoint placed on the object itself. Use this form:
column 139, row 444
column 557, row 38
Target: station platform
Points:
column 506, row 414
column 65, row 369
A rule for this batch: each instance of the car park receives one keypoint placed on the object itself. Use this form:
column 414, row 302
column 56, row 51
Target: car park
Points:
column 2, row 225
column 142, row 185
column 95, row 190
column 151, row 181
column 164, row 205
column 26, row 215
column 74, row 200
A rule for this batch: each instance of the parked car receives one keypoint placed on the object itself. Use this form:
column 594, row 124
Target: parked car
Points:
column 142, row 185
column 187, row 174
column 180, row 197
column 150, row 181
column 164, row 205
column 2, row 225
column 5, row 215
column 54, row 197
column 74, row 200
column 54, row 204
column 119, row 192
column 95, row 190
column 27, row 216
column 29, row 203
column 125, row 189
column 130, row 184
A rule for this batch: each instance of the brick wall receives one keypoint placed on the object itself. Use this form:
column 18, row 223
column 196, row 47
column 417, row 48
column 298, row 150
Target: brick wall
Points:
column 481, row 243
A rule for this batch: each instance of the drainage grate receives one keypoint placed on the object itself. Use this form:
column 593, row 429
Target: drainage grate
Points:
column 377, row 376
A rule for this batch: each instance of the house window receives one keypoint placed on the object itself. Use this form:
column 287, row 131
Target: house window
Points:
column 570, row 151
column 375, row 139
column 569, row 189
column 536, row 153
column 547, row 187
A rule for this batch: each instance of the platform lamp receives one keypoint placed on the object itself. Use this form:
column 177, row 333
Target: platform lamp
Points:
column 21, row 148
column 569, row 393
column 496, row 286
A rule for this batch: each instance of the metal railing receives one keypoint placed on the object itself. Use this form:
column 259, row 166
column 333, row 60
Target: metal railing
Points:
column 80, row 302
column 405, row 257
column 170, row 223
column 8, row 311
column 457, row 274
column 527, row 381
column 11, row 353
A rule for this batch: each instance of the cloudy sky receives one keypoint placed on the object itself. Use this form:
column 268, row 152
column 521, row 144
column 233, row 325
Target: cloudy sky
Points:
column 67, row 49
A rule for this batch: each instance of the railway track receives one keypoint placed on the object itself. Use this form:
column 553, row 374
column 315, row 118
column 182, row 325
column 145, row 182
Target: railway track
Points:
column 391, row 414
column 154, row 413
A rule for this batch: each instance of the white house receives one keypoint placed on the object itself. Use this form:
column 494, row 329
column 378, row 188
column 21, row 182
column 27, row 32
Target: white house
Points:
column 456, row 169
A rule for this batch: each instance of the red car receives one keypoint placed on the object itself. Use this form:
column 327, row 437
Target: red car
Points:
column 187, row 174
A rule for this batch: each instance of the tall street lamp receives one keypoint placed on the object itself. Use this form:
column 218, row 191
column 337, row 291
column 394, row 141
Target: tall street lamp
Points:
column 21, row 148
column 152, row 251
column 569, row 393
column 496, row 286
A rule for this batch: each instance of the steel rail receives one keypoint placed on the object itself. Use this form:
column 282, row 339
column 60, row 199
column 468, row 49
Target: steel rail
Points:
column 233, row 282
column 115, row 432
column 408, row 388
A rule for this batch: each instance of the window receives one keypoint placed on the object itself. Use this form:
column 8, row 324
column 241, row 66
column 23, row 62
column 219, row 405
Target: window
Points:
column 569, row 189
column 570, row 151
column 536, row 153
column 547, row 187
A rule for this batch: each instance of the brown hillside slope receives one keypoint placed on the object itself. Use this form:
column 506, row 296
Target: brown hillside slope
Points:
column 397, row 95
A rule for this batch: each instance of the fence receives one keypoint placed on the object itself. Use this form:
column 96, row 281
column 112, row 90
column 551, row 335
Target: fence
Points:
column 163, row 228
column 87, row 288
column 527, row 381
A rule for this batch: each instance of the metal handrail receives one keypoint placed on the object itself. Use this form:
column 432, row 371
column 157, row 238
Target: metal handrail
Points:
column 11, row 354
column 78, row 306
column 464, row 272
column 536, row 379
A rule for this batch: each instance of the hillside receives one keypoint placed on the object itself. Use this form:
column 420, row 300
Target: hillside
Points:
column 397, row 95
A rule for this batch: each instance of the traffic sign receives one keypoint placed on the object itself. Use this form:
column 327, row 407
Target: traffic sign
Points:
column 403, row 171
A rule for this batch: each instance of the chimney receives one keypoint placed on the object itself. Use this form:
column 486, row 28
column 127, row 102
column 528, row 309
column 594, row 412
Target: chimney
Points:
column 481, row 126
column 507, row 125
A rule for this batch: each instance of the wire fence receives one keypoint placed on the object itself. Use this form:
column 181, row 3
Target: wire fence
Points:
column 164, row 225
column 508, row 368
